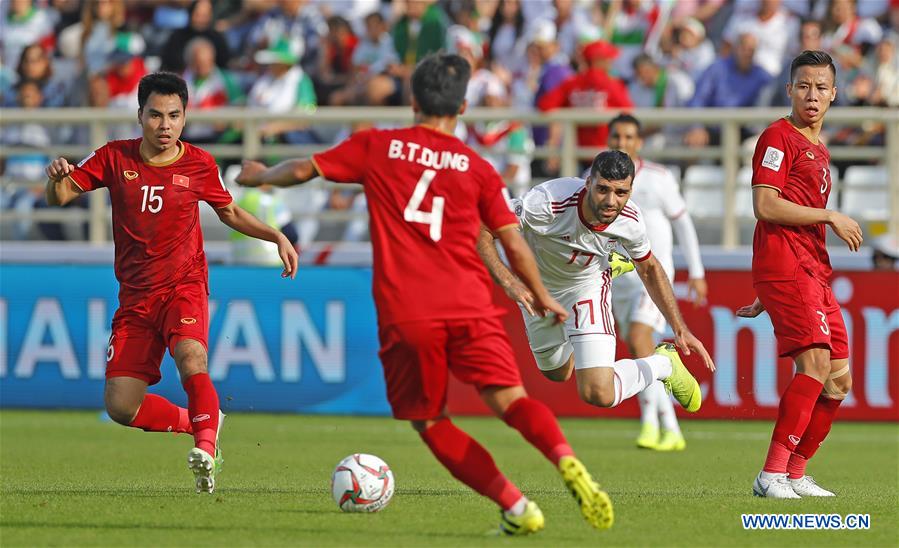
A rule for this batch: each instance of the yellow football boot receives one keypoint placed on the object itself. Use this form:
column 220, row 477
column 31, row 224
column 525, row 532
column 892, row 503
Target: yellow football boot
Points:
column 596, row 506
column 681, row 383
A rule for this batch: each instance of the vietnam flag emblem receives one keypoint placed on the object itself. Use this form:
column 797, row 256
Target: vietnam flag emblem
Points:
column 181, row 180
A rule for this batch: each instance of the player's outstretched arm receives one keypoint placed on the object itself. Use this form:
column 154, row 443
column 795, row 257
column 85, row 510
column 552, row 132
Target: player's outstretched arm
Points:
column 656, row 281
column 242, row 221
column 286, row 173
column 501, row 274
column 525, row 267
column 60, row 187
column 770, row 207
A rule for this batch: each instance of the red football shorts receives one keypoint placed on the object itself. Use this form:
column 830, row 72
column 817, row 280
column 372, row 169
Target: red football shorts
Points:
column 418, row 357
column 148, row 322
column 805, row 315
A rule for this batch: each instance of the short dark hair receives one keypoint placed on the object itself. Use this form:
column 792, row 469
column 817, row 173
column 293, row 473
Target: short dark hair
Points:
column 162, row 83
column 809, row 58
column 439, row 83
column 612, row 165
column 625, row 119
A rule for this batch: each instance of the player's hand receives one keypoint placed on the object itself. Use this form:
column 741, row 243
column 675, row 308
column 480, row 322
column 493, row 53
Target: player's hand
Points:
column 752, row 310
column 519, row 293
column 546, row 306
column 288, row 254
column 846, row 229
column 697, row 291
column 59, row 169
column 249, row 173
column 688, row 342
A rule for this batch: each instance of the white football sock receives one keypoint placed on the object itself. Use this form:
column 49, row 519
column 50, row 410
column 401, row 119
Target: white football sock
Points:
column 633, row 376
column 519, row 507
column 649, row 412
column 665, row 407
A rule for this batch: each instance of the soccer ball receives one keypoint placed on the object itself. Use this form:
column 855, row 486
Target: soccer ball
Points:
column 362, row 483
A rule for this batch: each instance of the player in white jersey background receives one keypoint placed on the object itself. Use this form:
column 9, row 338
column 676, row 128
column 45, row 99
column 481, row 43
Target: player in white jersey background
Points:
column 572, row 226
column 657, row 194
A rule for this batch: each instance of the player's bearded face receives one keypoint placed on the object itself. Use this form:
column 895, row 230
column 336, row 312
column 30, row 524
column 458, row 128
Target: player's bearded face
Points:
column 162, row 120
column 811, row 93
column 606, row 199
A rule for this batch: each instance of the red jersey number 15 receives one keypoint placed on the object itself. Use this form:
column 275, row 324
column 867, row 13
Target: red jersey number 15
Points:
column 152, row 201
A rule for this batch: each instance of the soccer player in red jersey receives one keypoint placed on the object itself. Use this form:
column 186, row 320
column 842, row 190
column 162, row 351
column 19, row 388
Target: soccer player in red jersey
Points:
column 791, row 272
column 155, row 183
column 428, row 194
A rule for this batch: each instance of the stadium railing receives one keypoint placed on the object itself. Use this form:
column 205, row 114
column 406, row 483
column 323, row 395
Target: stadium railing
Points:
column 730, row 153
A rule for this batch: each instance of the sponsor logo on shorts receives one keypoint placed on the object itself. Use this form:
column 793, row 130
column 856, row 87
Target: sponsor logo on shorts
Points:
column 130, row 175
column 200, row 418
column 188, row 321
column 773, row 158
column 793, row 439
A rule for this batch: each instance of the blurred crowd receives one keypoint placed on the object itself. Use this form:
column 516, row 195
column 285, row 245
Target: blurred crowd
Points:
column 282, row 55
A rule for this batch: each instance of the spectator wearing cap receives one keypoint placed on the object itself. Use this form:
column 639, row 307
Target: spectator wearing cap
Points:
column 734, row 81
column 283, row 87
column 200, row 25
column 23, row 24
column 125, row 67
column 298, row 21
column 592, row 88
column 885, row 253
column 553, row 68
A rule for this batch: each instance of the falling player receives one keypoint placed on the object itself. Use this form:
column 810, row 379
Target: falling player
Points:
column 428, row 194
column 155, row 183
column 572, row 226
column 791, row 274
column 638, row 318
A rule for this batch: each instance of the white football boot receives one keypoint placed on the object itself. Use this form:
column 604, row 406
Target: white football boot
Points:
column 806, row 487
column 773, row 486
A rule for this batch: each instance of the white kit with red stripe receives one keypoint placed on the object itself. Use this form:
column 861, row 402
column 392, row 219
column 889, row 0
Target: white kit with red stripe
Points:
column 571, row 252
column 573, row 257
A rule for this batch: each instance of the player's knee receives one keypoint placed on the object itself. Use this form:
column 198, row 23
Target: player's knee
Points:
column 597, row 394
column 838, row 384
column 121, row 409
column 555, row 363
column 190, row 358
column 421, row 425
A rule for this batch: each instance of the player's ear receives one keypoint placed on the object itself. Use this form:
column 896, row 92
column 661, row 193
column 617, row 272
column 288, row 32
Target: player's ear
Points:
column 833, row 94
column 415, row 107
column 463, row 107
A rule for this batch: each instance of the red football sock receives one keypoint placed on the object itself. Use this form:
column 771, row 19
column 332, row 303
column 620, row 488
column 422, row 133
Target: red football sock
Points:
column 157, row 414
column 818, row 427
column 203, row 408
column 470, row 463
column 539, row 426
column 793, row 416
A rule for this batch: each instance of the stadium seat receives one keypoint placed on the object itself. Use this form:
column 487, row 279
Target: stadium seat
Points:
column 704, row 191
column 865, row 193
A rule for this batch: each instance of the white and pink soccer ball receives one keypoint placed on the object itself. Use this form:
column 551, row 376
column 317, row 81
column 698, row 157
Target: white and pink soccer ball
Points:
column 362, row 483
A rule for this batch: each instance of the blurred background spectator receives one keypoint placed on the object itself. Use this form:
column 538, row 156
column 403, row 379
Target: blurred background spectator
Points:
column 200, row 25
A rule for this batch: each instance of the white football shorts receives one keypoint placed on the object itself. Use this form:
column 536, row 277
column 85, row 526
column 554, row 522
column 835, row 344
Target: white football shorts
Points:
column 589, row 331
column 631, row 303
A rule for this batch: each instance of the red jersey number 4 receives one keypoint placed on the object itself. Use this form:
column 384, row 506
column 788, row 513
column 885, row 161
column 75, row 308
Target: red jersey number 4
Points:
column 433, row 218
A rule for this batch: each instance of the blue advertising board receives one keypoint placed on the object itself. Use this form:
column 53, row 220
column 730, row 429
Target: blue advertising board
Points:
column 307, row 345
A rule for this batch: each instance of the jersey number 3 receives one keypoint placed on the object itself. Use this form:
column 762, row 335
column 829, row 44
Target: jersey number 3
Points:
column 433, row 218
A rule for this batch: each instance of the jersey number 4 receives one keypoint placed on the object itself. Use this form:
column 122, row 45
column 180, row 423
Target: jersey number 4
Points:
column 433, row 218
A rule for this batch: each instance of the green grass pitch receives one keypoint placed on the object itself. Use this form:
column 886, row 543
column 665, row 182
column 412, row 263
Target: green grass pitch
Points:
column 68, row 478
